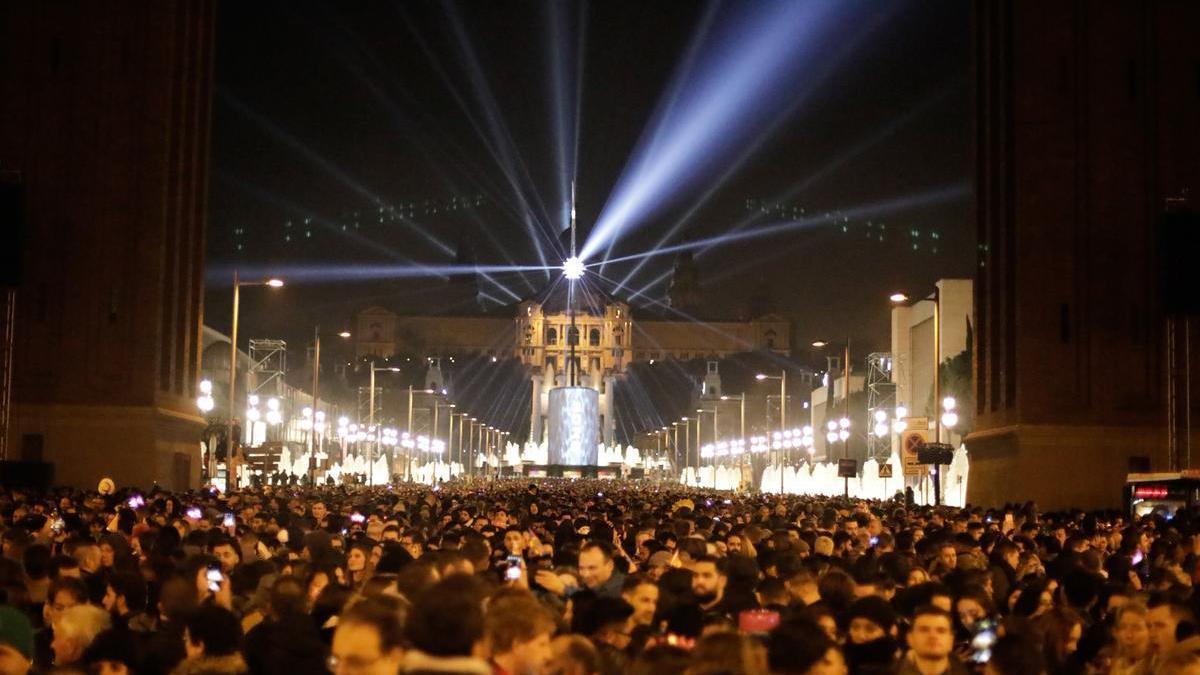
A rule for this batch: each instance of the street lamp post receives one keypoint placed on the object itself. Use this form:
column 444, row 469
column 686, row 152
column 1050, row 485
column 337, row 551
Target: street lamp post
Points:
column 742, row 423
column 675, row 444
column 687, row 444
column 469, row 448
column 782, row 377
column 450, row 436
column 700, row 440
column 436, row 407
column 231, row 444
column 371, row 420
column 898, row 298
column 316, row 374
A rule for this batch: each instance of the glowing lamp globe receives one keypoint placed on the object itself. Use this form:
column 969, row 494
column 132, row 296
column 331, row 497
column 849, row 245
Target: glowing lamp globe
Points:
column 573, row 268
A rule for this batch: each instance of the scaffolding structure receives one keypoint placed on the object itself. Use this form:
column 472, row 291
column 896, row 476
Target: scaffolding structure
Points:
column 364, row 405
column 268, row 365
column 881, row 396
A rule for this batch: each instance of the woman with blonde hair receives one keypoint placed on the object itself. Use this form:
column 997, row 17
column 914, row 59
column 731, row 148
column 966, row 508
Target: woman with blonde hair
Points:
column 1131, row 640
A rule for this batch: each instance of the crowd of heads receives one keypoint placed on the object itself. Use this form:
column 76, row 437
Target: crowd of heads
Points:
column 584, row 577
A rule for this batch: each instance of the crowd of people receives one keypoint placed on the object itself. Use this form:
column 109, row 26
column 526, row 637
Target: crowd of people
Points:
column 581, row 578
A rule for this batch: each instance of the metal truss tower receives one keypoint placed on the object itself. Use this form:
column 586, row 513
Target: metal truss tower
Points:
column 364, row 405
column 881, row 395
column 268, row 365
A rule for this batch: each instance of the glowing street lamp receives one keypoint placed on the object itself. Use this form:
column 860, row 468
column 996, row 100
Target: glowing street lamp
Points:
column 205, row 401
column 949, row 412
column 231, row 470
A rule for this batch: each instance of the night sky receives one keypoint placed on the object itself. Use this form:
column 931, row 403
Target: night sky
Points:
column 323, row 110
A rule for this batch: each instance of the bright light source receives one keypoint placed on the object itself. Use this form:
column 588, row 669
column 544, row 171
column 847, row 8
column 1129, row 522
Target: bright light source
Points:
column 900, row 425
column 307, row 411
column 950, row 419
column 253, row 399
column 272, row 403
column 901, row 412
column 206, row 387
column 820, row 344
column 275, row 283
column 881, row 429
column 949, row 403
column 832, row 425
column 273, row 417
column 344, row 334
column 844, row 423
column 343, row 421
column 205, row 403
column 573, row 268
column 252, row 414
column 898, row 297
column 880, row 415
column 760, row 377
column 843, row 434
column 831, row 437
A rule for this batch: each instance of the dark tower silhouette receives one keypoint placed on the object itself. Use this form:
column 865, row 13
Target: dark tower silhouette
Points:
column 762, row 300
column 464, row 286
column 684, row 291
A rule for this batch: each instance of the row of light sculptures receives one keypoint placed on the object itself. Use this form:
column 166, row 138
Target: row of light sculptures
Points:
column 387, row 436
column 788, row 439
column 315, row 421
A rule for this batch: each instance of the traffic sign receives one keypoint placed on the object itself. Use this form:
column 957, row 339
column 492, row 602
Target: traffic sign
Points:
column 885, row 470
column 910, row 442
column 847, row 468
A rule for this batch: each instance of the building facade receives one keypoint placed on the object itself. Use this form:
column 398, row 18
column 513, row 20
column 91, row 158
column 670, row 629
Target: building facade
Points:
column 104, row 111
column 1087, row 120
column 609, row 338
column 913, row 351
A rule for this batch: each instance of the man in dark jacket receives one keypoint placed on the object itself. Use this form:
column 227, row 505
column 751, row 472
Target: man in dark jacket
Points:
column 287, row 642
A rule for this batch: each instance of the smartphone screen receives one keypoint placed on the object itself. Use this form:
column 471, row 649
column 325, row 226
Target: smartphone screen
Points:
column 982, row 641
column 758, row 621
column 513, row 572
column 229, row 520
column 215, row 577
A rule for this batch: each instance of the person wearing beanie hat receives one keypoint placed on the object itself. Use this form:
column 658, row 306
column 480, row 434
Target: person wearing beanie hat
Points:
column 113, row 651
column 871, row 645
column 869, row 618
column 16, row 642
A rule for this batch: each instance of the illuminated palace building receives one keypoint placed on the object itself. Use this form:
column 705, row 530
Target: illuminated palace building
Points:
column 610, row 336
